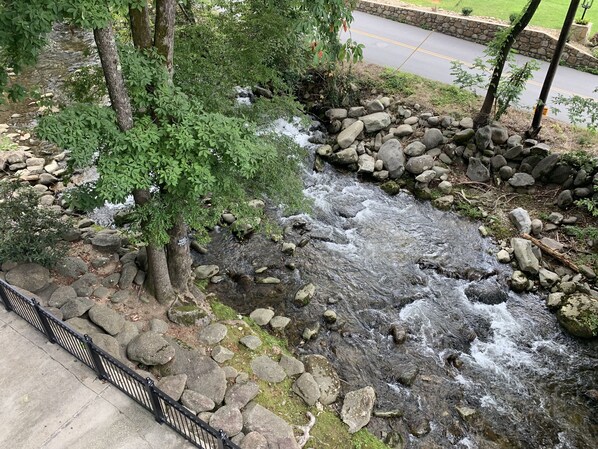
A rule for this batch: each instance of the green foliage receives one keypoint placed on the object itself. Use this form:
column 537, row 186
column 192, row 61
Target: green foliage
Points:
column 581, row 160
column 466, row 11
column 582, row 21
column 363, row 439
column 513, row 17
column 398, row 82
column 86, row 85
column 589, row 232
column 6, row 144
column 83, row 198
column 589, row 204
column 581, row 110
column 28, row 233
column 510, row 90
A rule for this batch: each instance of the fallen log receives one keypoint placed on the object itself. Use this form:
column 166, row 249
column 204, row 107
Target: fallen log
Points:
column 552, row 253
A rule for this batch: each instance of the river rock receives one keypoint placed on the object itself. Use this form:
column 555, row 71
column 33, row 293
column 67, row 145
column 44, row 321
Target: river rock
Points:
column 251, row 342
column 267, row 369
column 150, row 349
column 432, row 138
column 83, row 326
column 579, row 315
column 503, row 256
column 477, row 171
column 587, row 271
column 391, row 154
column 417, row 165
column 526, row 259
column 325, row 376
column 488, row 291
column 107, row 343
column 278, row 323
column 206, row 271
column 356, row 111
column 522, row 180
column 29, row 276
column 464, row 136
column 497, row 162
column 349, row 134
column 173, row 386
column 213, row 334
column 426, row 177
column 500, row 135
column 415, row 149
column 291, row 365
column 376, row 122
column 229, row 419
column 555, row 300
column 548, row 278
column 444, row 202
column 109, row 320
column 307, row 389
column 85, row 285
column 403, row 130
column 197, row 402
column 239, row 395
column 277, row 431
column 345, row 157
column 186, row 315
column 261, row 317
column 521, row 220
column 305, row 294
column 519, row 281
column 336, row 114
column 357, row 408
column 537, row 227
column 366, row 164
column 483, row 138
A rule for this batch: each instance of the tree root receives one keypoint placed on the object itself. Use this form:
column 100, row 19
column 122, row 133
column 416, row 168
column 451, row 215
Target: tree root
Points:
column 302, row 441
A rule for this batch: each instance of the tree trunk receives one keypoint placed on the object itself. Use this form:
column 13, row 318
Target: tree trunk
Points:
column 483, row 116
column 158, row 279
column 164, row 31
column 119, row 97
column 179, row 256
column 140, row 27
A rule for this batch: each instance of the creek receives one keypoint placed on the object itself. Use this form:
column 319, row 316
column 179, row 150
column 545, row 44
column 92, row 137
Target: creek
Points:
column 492, row 368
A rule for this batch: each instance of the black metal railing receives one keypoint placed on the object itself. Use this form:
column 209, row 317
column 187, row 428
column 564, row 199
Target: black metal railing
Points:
column 164, row 408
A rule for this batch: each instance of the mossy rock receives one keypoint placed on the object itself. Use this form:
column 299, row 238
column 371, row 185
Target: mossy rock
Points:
column 579, row 315
column 391, row 187
column 186, row 315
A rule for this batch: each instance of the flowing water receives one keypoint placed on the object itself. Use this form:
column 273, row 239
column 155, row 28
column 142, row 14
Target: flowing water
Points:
column 379, row 260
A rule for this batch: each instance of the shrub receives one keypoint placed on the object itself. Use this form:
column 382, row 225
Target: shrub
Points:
column 582, row 21
column 513, row 16
column 29, row 233
column 467, row 10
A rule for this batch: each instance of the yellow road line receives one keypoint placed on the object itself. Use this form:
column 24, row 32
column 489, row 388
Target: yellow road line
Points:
column 449, row 58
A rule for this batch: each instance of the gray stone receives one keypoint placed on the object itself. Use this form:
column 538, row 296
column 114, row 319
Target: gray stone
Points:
column 121, row 296
column 222, row 354
column 206, row 271
column 106, row 242
column 29, row 276
column 366, row 164
column 356, row 112
column 506, row 172
column 432, row 138
column 83, row 326
column 503, row 256
column 239, row 395
column 85, row 285
column 311, row 331
column 579, row 315
column 107, row 343
column 483, row 138
column 548, row 278
column 326, row 377
column 537, row 227
column 565, row 199
column 71, row 267
column 307, row 389
column 186, row 315
column 61, row 295
column 102, row 292
column 277, row 431
column 426, row 177
column 477, row 171
column 404, row 130
column 349, row 134
column 109, row 320
column 555, row 300
column 205, row 377
column 521, row 220
column 498, row 162
column 268, row 280
column 445, row 187
column 127, row 275
column 556, row 218
column 251, row 342
column 291, row 365
column 466, row 122
column 582, row 192
column 415, row 149
column 419, row 164
column 173, row 386
column 158, row 326
column 254, row 440
column 336, row 114
column 228, row 419
column 330, row 316
column 357, row 408
column 213, row 334
column 500, row 135
column 305, row 294
column 279, row 322
column 376, row 122
column 345, row 157
column 587, row 271
column 527, row 261
column 76, row 307
column 325, row 151
column 197, row 402
column 444, row 202
column 267, row 369
column 375, row 106
column 519, row 281
column 150, row 349
column 545, row 166
column 392, row 157
column 464, row 136
column 128, row 333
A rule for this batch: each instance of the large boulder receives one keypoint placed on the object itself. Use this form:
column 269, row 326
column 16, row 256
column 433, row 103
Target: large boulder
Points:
column 29, row 276
column 391, row 154
column 527, row 260
column 71, row 267
column 357, row 408
column 432, row 138
column 419, row 164
column 349, row 134
column 477, row 171
column 267, row 369
column 150, row 349
column 228, row 419
column 307, row 389
column 277, row 431
column 347, row 156
column 376, row 122
column 239, row 395
column 483, row 138
column 489, row 291
column 325, row 376
column 106, row 242
column 579, row 315
column 521, row 180
column 109, row 320
column 545, row 166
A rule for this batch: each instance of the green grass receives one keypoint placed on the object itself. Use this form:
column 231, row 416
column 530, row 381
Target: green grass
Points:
column 7, row 145
column 550, row 13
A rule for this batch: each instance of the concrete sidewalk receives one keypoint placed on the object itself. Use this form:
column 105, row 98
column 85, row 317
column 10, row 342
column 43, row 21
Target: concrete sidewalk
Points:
column 50, row 400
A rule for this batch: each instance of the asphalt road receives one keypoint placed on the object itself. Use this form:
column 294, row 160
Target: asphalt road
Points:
column 429, row 54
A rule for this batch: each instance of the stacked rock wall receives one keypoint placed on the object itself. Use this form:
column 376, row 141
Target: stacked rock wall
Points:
column 532, row 43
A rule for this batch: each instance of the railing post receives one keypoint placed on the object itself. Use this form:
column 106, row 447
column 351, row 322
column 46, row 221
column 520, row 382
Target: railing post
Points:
column 156, row 408
column 44, row 320
column 222, row 438
column 97, row 363
column 4, row 298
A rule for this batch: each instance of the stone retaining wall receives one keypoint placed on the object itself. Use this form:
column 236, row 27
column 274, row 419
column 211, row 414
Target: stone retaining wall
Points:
column 532, row 43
